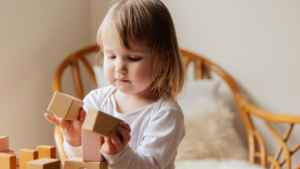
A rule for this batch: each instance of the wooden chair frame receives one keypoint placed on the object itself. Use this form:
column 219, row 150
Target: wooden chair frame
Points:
column 256, row 145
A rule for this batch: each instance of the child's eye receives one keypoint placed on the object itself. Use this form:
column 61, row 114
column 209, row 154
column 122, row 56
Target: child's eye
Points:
column 134, row 59
column 111, row 57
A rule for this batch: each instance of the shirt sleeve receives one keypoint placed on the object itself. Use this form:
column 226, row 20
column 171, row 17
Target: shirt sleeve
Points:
column 72, row 151
column 159, row 146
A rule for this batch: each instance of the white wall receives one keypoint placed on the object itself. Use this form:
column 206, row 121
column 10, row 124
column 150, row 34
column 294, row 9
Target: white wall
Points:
column 35, row 37
column 256, row 42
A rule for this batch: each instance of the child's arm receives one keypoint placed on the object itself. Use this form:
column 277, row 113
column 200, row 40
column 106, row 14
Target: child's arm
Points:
column 159, row 146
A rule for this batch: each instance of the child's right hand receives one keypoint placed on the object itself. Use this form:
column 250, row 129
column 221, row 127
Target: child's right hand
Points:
column 70, row 129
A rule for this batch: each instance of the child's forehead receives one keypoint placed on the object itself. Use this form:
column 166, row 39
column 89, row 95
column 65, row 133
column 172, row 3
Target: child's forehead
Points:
column 134, row 48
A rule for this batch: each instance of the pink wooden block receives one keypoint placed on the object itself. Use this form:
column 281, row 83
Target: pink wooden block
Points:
column 4, row 144
column 91, row 145
column 17, row 162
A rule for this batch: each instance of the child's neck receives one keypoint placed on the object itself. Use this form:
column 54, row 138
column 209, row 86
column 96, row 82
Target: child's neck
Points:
column 126, row 103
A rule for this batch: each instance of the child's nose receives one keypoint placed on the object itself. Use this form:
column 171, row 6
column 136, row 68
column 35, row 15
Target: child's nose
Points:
column 120, row 67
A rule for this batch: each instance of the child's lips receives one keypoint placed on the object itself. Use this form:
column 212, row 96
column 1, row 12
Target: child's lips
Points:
column 122, row 80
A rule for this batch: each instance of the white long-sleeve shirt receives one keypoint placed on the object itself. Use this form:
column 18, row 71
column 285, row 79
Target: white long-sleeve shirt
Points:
column 156, row 131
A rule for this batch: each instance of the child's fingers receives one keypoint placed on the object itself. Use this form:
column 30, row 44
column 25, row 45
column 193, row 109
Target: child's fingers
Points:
column 125, row 134
column 110, row 145
column 82, row 114
column 116, row 141
column 56, row 116
column 126, row 126
column 51, row 119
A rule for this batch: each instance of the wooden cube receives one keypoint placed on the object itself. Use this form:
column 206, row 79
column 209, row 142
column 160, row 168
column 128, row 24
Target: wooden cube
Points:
column 44, row 163
column 27, row 155
column 101, row 123
column 78, row 163
column 46, row 151
column 65, row 106
column 7, row 161
column 4, row 143
column 8, row 152
column 91, row 145
column 17, row 162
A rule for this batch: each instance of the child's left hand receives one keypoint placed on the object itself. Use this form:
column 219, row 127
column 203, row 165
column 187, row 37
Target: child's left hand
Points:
column 114, row 144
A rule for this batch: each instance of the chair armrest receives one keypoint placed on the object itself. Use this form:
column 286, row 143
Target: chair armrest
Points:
column 59, row 139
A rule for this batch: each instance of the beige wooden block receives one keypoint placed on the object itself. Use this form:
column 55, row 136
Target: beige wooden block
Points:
column 77, row 163
column 65, row 106
column 8, row 152
column 4, row 143
column 44, row 163
column 101, row 123
column 45, row 151
column 27, row 155
column 7, row 161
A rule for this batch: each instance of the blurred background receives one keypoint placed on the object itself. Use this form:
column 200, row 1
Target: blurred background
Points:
column 256, row 42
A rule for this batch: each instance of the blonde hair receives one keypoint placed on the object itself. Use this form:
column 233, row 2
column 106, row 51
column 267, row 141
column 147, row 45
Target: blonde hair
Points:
column 150, row 23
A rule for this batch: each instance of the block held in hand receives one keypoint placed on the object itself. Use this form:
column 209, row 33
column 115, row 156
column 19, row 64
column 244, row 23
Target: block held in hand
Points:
column 101, row 123
column 65, row 106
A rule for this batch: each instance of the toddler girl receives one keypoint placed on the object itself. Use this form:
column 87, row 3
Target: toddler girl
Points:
column 142, row 63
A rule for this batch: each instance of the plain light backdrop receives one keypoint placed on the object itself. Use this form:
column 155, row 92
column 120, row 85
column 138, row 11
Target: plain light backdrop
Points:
column 256, row 42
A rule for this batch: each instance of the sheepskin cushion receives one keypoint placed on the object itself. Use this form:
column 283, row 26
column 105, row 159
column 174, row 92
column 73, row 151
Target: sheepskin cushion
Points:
column 215, row 164
column 210, row 133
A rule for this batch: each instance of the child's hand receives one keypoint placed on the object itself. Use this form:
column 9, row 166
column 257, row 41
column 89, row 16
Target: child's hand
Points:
column 70, row 129
column 113, row 144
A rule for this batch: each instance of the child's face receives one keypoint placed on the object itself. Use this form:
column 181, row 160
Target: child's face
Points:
column 128, row 70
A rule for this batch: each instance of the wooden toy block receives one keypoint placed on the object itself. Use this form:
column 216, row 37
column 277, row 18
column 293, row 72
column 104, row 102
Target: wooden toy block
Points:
column 8, row 152
column 44, row 163
column 65, row 106
column 78, row 163
column 101, row 123
column 46, row 151
column 17, row 162
column 91, row 145
column 7, row 161
column 4, row 143
column 27, row 155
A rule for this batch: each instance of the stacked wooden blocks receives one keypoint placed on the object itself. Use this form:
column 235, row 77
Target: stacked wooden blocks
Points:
column 7, row 156
column 29, row 159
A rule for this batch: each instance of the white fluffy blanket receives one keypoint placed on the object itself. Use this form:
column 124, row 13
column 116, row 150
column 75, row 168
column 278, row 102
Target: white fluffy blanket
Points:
column 211, row 142
column 215, row 164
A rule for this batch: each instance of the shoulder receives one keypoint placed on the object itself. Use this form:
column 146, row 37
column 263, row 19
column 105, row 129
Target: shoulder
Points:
column 100, row 92
column 97, row 96
column 168, row 109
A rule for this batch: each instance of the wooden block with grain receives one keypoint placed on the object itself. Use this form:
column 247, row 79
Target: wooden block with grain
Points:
column 78, row 163
column 7, row 161
column 101, row 123
column 45, row 151
column 27, row 155
column 4, row 143
column 91, row 145
column 65, row 106
column 44, row 163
